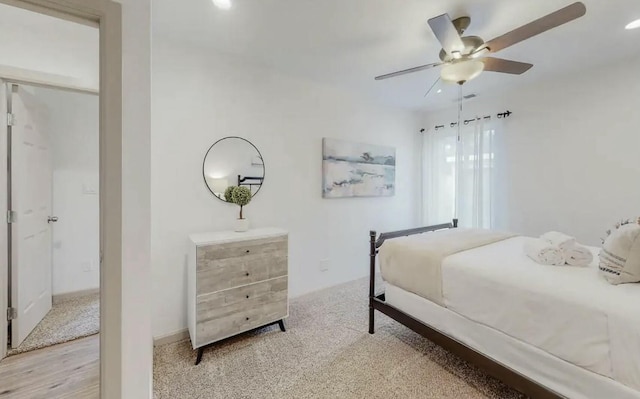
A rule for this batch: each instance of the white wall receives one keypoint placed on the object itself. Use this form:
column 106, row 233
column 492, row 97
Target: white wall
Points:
column 73, row 125
column 200, row 97
column 41, row 43
column 572, row 151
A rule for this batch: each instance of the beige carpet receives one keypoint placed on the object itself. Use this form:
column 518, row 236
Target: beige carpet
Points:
column 66, row 321
column 325, row 353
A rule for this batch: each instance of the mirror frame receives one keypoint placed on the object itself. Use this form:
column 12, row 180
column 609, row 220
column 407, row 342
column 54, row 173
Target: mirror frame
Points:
column 204, row 161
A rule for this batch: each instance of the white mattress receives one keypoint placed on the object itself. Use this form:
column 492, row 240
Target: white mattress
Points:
column 568, row 312
column 558, row 375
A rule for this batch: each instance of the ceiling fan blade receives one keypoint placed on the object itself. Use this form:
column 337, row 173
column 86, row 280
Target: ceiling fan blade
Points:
column 410, row 70
column 446, row 33
column 553, row 20
column 505, row 66
column 432, row 86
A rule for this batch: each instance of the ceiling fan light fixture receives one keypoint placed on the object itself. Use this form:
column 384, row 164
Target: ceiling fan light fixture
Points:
column 633, row 25
column 461, row 72
column 222, row 4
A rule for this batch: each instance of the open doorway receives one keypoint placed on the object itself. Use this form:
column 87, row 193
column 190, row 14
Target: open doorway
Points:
column 57, row 54
column 54, row 274
column 42, row 374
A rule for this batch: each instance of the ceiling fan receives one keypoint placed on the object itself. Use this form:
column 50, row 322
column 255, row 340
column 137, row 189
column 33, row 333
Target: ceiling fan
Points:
column 465, row 57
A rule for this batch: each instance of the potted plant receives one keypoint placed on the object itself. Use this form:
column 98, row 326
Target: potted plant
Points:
column 240, row 196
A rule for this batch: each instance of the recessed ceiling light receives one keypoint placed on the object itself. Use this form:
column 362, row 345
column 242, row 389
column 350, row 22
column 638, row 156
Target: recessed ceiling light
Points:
column 633, row 25
column 439, row 91
column 224, row 4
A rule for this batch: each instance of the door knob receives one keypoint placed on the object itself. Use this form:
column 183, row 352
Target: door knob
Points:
column 52, row 219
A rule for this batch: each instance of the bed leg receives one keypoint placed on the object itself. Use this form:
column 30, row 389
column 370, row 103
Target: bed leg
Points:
column 455, row 223
column 371, row 319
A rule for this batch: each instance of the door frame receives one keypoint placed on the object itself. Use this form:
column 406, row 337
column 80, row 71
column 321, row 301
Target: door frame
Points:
column 107, row 16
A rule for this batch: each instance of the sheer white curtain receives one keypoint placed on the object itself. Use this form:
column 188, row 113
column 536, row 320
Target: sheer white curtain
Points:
column 459, row 176
column 438, row 176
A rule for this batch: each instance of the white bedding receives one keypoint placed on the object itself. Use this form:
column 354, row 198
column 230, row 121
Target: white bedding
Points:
column 558, row 375
column 414, row 263
column 569, row 312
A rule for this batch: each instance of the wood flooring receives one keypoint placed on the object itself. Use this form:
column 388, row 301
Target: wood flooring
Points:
column 70, row 370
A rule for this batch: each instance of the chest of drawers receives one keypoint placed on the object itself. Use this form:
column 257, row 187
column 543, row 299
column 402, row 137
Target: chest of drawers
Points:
column 236, row 282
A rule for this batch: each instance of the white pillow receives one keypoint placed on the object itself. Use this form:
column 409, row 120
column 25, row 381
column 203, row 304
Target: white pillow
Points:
column 620, row 255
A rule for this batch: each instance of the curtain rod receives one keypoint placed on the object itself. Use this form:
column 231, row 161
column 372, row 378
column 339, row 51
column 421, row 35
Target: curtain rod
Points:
column 500, row 115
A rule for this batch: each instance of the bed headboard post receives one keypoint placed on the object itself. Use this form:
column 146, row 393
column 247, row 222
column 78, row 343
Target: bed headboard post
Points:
column 372, row 263
column 372, row 276
column 455, row 223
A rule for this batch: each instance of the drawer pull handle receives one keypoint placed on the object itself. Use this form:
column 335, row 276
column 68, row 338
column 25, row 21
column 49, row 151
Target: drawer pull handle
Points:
column 248, row 250
column 247, row 274
column 247, row 318
column 247, row 296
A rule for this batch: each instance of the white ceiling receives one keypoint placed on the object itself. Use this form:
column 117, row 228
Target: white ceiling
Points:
column 348, row 42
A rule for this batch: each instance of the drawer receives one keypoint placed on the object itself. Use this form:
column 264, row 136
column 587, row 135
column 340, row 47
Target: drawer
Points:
column 239, row 249
column 224, row 303
column 228, row 273
column 212, row 330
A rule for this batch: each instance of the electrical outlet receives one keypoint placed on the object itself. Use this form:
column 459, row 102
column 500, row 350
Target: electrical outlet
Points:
column 324, row 265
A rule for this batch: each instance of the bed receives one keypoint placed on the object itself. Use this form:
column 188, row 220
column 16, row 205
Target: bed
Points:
column 549, row 332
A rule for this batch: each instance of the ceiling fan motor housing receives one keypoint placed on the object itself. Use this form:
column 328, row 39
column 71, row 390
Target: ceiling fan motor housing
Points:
column 471, row 44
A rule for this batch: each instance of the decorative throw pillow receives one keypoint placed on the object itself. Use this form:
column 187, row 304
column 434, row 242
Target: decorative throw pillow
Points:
column 620, row 255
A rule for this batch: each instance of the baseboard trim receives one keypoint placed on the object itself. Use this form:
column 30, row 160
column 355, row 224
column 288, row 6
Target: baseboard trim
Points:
column 171, row 338
column 57, row 298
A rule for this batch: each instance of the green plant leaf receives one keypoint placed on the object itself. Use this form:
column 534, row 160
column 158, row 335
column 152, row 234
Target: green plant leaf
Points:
column 228, row 193
column 241, row 196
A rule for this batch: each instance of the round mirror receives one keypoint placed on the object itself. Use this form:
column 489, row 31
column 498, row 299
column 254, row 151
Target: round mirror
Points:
column 233, row 161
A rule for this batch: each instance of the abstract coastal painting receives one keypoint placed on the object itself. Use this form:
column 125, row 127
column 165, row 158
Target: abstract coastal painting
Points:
column 357, row 170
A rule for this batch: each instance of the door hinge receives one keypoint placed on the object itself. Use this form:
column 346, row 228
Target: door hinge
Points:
column 11, row 119
column 12, row 314
column 12, row 217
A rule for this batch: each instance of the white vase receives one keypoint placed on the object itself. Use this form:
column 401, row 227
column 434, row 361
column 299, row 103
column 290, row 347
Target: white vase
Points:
column 242, row 225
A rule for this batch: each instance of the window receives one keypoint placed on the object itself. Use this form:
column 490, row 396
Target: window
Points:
column 458, row 175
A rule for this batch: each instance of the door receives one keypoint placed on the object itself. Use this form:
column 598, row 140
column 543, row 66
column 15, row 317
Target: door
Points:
column 31, row 199
column 4, row 227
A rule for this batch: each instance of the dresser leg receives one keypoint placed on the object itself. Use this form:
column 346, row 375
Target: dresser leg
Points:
column 281, row 324
column 199, row 358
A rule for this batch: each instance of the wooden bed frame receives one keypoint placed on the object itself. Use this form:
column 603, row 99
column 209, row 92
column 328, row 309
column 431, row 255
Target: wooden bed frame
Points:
column 377, row 302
